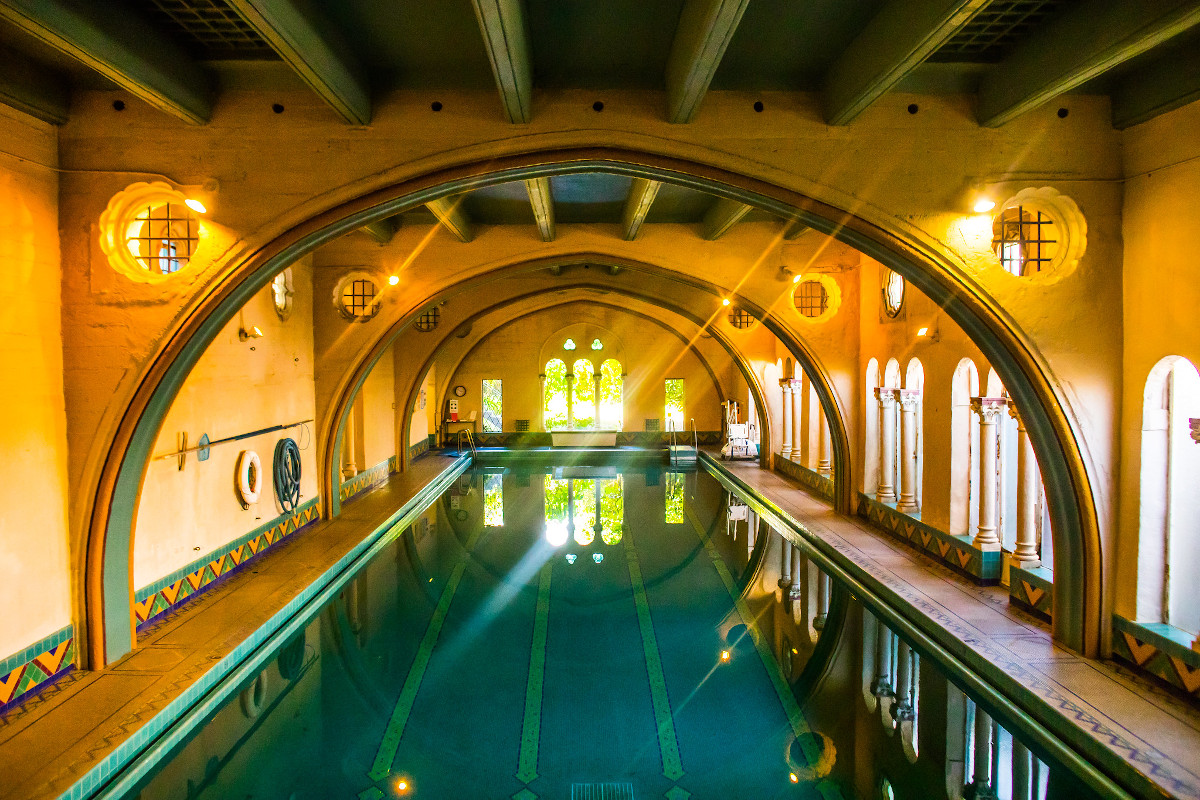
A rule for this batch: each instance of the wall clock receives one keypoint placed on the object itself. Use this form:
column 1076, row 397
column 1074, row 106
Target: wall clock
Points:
column 460, row 390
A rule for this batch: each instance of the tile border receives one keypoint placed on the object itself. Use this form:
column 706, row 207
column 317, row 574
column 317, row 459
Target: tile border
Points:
column 33, row 668
column 169, row 592
column 369, row 478
column 1032, row 590
column 1160, row 651
column 810, row 479
column 955, row 552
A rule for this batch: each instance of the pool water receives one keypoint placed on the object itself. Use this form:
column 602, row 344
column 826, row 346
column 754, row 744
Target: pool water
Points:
column 582, row 632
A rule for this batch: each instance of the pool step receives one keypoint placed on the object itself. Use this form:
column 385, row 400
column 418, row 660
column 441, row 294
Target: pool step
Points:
column 602, row 791
column 682, row 454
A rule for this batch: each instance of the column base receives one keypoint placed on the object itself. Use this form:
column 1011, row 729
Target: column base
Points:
column 786, row 453
column 1025, row 563
column 908, row 508
column 885, row 497
column 987, row 547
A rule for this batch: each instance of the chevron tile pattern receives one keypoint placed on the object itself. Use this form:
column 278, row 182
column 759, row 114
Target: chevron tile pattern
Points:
column 814, row 481
column 367, row 479
column 159, row 597
column 1032, row 590
column 36, row 667
column 1160, row 651
column 956, row 552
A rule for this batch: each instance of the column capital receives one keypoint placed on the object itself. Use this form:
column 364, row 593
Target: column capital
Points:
column 785, row 384
column 1195, row 423
column 908, row 398
column 989, row 408
column 1012, row 412
column 886, row 395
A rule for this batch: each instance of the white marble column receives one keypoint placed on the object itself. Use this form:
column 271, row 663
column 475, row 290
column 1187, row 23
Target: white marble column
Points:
column 349, row 470
column 989, row 410
column 570, row 400
column 903, row 710
column 887, row 445
column 910, row 400
column 981, row 779
column 596, row 403
column 1021, row 783
column 786, row 450
column 1029, row 488
column 825, row 464
column 542, row 405
column 822, row 601
column 785, row 571
column 797, row 419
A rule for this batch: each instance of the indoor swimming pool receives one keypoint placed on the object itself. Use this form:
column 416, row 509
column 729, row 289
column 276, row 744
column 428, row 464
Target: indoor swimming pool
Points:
column 597, row 632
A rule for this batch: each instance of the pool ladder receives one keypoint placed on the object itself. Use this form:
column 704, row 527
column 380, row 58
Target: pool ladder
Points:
column 465, row 434
column 679, row 453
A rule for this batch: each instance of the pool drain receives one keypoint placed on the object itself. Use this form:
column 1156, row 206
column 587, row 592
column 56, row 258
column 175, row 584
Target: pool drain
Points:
column 602, row 791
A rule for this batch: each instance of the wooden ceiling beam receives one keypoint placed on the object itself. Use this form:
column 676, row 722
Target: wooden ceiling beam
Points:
column 29, row 87
column 114, row 41
column 542, row 200
column 505, row 35
column 723, row 215
column 1086, row 41
column 450, row 214
column 897, row 39
column 320, row 60
column 1163, row 85
column 704, row 32
column 382, row 230
column 637, row 205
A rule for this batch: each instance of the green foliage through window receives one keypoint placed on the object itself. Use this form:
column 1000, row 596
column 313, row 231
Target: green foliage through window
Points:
column 555, row 395
column 611, row 390
column 493, row 500
column 584, row 406
column 612, row 510
column 674, row 390
column 584, row 492
column 674, row 515
column 493, row 406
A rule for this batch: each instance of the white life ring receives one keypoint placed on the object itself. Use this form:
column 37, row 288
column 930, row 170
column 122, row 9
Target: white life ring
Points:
column 250, row 477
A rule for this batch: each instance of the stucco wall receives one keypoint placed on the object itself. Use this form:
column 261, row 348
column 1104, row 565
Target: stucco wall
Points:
column 236, row 387
column 379, row 412
column 35, row 588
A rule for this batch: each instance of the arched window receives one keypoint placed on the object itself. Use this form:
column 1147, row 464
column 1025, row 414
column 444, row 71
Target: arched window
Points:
column 871, row 429
column 555, row 410
column 964, row 466
column 611, row 389
column 1169, row 513
column 914, row 381
column 583, row 407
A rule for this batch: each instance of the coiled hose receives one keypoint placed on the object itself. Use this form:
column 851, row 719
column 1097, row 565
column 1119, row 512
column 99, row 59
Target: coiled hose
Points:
column 287, row 474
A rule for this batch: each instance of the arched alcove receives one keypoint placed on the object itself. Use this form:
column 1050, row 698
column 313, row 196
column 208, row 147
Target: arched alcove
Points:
column 964, row 464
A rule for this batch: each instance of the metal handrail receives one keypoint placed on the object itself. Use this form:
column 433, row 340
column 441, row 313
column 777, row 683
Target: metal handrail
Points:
column 470, row 443
column 695, row 438
column 671, row 448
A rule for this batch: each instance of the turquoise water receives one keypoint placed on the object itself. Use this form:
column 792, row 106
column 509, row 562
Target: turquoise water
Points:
column 541, row 633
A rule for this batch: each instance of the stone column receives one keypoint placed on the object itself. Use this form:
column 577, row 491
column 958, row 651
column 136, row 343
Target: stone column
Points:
column 989, row 410
column 570, row 400
column 542, row 405
column 1021, row 783
column 981, row 780
column 786, row 450
column 825, row 464
column 596, row 401
column 798, row 563
column 349, row 470
column 881, row 686
column 822, row 601
column 903, row 710
column 887, row 445
column 797, row 419
column 785, row 570
column 1029, row 488
column 910, row 400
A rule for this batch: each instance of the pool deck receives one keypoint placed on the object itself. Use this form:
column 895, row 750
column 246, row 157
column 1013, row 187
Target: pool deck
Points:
column 55, row 739
column 1142, row 726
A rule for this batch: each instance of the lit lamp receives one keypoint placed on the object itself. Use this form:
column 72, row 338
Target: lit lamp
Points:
column 246, row 335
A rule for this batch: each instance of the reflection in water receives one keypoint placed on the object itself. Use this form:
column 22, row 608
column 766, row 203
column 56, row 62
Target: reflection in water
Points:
column 574, row 504
column 674, row 498
column 493, row 500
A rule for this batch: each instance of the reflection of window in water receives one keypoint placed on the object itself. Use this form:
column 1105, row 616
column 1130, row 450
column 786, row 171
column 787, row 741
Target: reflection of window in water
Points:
column 493, row 501
column 574, row 505
column 674, row 498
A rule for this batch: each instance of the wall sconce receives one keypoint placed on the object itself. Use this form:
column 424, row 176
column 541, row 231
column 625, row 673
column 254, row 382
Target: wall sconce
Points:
column 929, row 333
column 246, row 335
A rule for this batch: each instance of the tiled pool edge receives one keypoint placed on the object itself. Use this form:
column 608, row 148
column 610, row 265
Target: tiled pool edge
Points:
column 1032, row 716
column 118, row 772
column 36, row 667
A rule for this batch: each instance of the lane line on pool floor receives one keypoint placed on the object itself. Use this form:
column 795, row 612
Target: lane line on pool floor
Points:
column 668, row 743
column 531, row 726
column 390, row 744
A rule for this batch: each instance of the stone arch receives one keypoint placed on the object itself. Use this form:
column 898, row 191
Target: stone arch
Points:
column 110, row 494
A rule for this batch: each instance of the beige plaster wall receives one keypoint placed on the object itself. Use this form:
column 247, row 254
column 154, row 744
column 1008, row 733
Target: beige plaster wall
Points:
column 235, row 388
column 379, row 412
column 652, row 355
column 1161, row 278
column 424, row 420
column 35, row 585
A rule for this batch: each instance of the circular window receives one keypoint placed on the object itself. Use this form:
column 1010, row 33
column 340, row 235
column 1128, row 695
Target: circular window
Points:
column 893, row 292
column 281, row 294
column 1038, row 232
column 741, row 319
column 357, row 297
column 816, row 297
column 148, row 232
column 428, row 320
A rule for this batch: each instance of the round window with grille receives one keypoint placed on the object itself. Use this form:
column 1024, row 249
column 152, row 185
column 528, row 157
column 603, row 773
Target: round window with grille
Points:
column 428, row 320
column 816, row 297
column 149, row 233
column 357, row 297
column 893, row 293
column 741, row 319
column 1039, row 235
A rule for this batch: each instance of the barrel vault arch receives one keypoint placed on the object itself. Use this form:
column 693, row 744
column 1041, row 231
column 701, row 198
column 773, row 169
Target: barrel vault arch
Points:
column 111, row 501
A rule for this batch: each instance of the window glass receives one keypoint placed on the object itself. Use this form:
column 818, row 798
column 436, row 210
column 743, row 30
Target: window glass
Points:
column 674, row 407
column 493, row 501
column 493, row 406
column 584, row 400
column 611, row 389
column 612, row 510
column 583, row 510
column 674, row 515
column 554, row 401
